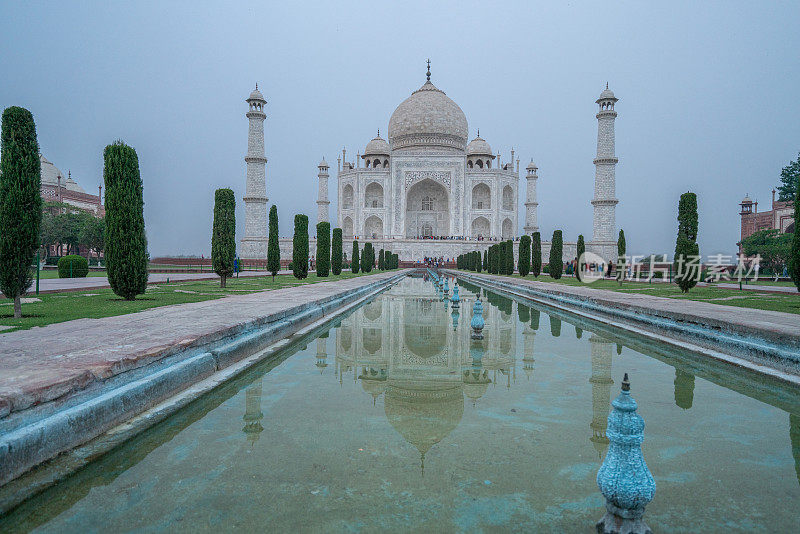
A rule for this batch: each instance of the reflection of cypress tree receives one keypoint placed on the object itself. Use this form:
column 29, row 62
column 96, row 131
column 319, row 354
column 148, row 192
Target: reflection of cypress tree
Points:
column 684, row 389
column 619, row 348
column 524, row 313
column 505, row 304
column 472, row 288
column 535, row 318
column 794, row 434
column 555, row 326
column 578, row 332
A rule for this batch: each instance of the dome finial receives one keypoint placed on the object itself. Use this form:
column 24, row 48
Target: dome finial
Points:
column 606, row 85
column 479, row 132
column 256, row 86
column 429, row 69
column 379, row 132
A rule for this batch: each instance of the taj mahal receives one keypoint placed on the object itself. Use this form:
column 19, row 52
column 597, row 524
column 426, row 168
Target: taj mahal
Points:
column 427, row 190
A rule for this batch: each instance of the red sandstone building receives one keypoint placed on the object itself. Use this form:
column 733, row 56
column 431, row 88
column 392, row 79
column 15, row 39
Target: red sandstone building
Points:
column 56, row 188
column 780, row 217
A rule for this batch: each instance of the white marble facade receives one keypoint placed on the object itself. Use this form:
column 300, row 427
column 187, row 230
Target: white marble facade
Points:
column 427, row 181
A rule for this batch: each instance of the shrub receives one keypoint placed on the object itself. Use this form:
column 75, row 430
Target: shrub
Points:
column 355, row 262
column 556, row 253
column 126, row 242
column 273, row 247
column 73, row 266
column 20, row 203
column 536, row 254
column 323, row 249
column 300, row 247
column 223, row 234
column 336, row 252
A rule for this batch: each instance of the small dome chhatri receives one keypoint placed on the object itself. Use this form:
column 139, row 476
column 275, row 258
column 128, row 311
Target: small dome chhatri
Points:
column 531, row 166
column 256, row 95
column 479, row 147
column 378, row 146
column 607, row 94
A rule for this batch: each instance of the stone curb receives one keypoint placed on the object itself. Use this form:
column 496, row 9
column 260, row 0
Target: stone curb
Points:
column 52, row 430
column 779, row 351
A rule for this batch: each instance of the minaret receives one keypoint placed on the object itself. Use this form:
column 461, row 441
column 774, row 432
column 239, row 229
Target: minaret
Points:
column 254, row 244
column 605, row 225
column 322, row 194
column 531, row 206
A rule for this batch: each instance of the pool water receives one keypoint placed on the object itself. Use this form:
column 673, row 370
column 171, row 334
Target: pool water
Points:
column 393, row 419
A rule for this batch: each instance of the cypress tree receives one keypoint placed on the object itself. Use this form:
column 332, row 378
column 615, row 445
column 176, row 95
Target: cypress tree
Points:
column 477, row 255
column 336, row 252
column 126, row 243
column 621, row 257
column 273, row 247
column 524, row 262
column 581, row 252
column 354, row 261
column 556, row 252
column 485, row 260
column 367, row 258
column 323, row 249
column 20, row 203
column 300, row 247
column 510, row 257
column 686, row 248
column 223, row 235
column 536, row 254
column 381, row 261
column 794, row 256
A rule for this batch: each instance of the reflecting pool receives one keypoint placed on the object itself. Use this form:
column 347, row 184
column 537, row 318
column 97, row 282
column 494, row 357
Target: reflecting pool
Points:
column 394, row 419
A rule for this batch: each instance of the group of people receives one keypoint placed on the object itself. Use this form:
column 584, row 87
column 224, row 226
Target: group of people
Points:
column 436, row 262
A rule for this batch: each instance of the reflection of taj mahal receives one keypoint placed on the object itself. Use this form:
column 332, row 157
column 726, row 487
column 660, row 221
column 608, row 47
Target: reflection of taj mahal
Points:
column 426, row 190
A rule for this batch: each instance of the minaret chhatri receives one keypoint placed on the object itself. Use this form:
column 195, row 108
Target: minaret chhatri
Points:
column 322, row 194
column 605, row 224
column 531, row 206
column 254, row 243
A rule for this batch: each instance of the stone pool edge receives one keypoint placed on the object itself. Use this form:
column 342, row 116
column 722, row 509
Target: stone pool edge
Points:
column 742, row 347
column 48, row 438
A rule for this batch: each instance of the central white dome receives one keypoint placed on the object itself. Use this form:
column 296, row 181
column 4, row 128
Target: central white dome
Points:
column 428, row 118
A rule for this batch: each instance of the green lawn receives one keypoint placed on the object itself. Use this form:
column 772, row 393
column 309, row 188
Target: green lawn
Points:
column 96, row 303
column 789, row 302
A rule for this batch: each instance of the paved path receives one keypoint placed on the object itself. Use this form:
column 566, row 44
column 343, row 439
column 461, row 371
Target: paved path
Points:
column 778, row 326
column 765, row 288
column 42, row 364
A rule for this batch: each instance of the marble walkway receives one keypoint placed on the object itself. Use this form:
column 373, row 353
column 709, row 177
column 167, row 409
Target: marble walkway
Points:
column 45, row 363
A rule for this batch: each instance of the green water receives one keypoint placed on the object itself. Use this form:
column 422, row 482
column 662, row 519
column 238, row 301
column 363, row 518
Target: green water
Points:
column 386, row 423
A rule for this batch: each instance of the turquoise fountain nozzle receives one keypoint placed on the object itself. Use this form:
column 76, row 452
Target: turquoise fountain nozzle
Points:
column 624, row 479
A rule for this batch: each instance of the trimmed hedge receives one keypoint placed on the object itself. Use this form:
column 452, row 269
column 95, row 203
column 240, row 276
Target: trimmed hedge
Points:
column 73, row 266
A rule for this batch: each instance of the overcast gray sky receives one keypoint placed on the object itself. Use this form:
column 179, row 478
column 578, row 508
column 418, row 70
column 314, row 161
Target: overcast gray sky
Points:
column 708, row 98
